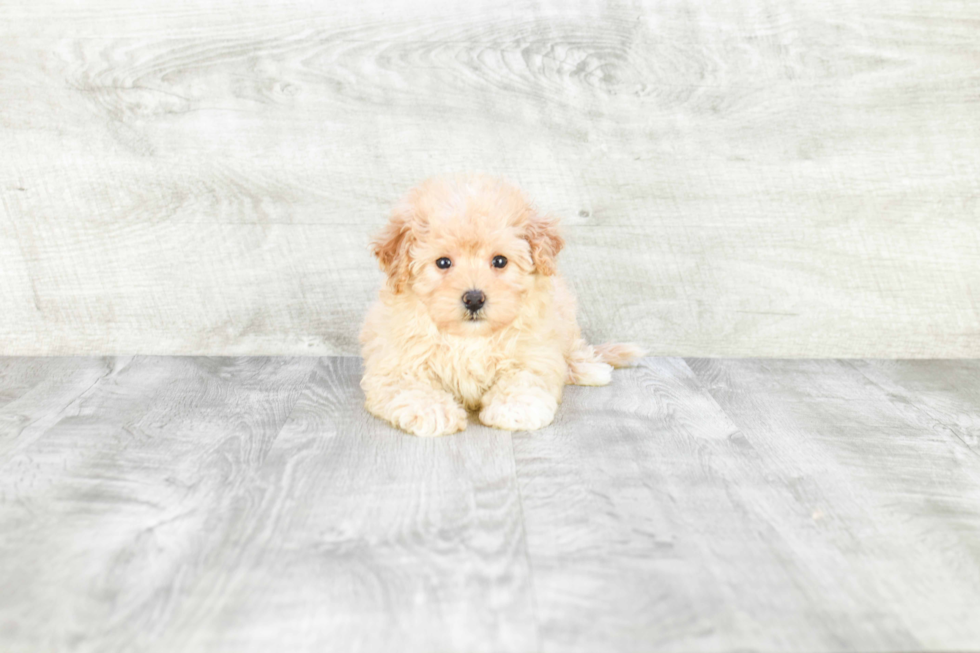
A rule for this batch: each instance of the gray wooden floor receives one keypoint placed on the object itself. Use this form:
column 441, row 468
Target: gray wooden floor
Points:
column 249, row 504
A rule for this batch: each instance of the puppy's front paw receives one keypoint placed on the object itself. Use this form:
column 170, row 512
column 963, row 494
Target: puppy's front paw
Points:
column 525, row 411
column 421, row 415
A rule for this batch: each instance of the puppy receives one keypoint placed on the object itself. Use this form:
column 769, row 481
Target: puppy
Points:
column 474, row 315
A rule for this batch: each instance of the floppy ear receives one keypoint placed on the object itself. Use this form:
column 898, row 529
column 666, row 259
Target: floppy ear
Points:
column 546, row 242
column 391, row 247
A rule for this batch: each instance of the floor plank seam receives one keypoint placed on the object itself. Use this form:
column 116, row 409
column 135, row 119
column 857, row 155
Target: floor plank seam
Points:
column 927, row 418
column 59, row 414
column 292, row 409
column 707, row 391
column 527, row 552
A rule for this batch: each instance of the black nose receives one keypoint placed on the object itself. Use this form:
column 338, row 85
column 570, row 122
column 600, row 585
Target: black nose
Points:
column 474, row 300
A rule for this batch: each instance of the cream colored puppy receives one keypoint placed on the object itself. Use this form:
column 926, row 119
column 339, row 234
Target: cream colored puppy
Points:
column 474, row 315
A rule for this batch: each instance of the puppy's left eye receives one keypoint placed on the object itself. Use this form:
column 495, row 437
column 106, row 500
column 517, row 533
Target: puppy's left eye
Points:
column 499, row 261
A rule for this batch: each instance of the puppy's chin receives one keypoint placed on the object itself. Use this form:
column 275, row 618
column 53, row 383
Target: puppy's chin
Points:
column 468, row 324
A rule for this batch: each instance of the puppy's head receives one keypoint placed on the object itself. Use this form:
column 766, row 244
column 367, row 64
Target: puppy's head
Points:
column 471, row 249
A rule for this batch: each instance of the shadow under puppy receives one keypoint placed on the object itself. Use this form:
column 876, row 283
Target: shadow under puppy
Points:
column 474, row 315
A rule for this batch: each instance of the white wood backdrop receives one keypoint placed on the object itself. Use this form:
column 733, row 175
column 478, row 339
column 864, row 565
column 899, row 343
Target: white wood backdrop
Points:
column 736, row 177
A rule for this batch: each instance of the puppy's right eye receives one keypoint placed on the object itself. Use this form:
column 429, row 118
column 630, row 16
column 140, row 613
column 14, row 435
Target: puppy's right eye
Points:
column 443, row 263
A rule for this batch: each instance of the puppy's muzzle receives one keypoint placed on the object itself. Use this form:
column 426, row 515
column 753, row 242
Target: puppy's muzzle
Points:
column 474, row 300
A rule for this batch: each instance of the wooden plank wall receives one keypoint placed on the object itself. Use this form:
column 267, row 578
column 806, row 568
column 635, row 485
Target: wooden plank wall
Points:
column 736, row 177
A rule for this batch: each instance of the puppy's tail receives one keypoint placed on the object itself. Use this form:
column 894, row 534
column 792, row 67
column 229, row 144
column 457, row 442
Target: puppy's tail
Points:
column 590, row 365
column 618, row 354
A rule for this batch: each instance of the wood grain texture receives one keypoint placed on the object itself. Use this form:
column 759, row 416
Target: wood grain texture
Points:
column 120, row 519
column 630, row 530
column 751, row 506
column 36, row 392
column 869, row 486
column 249, row 504
column 939, row 396
column 777, row 179
column 377, row 541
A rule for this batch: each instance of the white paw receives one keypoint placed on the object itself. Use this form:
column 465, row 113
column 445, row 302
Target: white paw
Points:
column 529, row 410
column 422, row 416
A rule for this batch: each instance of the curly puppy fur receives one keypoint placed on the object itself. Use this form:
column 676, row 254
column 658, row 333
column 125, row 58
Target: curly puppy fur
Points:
column 429, row 357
